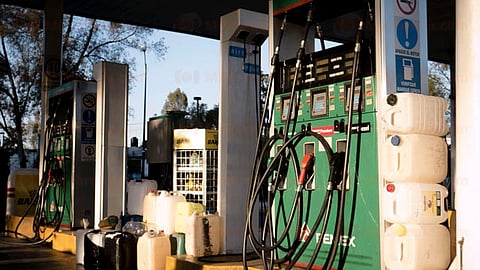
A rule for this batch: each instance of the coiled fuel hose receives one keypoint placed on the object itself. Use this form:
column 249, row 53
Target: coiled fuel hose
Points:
column 53, row 172
column 271, row 173
column 267, row 242
column 265, row 122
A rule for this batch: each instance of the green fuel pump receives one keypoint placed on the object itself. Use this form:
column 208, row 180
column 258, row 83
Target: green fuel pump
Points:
column 69, row 162
column 323, row 110
column 321, row 169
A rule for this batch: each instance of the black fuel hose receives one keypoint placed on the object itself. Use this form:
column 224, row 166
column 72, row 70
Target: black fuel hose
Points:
column 294, row 96
column 39, row 199
column 271, row 239
column 264, row 126
column 324, row 212
column 293, row 108
column 260, row 246
column 339, row 222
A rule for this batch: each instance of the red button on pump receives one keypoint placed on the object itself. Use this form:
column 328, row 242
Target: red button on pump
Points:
column 390, row 187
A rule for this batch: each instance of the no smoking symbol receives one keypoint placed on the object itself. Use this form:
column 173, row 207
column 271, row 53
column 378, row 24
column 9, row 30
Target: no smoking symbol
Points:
column 407, row 6
column 89, row 100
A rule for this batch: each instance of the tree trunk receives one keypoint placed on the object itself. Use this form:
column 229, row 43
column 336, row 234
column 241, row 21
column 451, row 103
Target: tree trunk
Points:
column 20, row 150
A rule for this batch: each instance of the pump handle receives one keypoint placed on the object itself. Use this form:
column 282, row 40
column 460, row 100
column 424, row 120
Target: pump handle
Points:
column 307, row 166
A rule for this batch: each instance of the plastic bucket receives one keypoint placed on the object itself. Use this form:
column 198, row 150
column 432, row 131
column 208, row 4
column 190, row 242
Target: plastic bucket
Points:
column 414, row 203
column 415, row 158
column 152, row 251
column 415, row 113
column 413, row 246
column 136, row 191
column 202, row 236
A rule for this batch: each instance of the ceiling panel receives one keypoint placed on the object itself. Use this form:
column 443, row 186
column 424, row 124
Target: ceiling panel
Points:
column 202, row 18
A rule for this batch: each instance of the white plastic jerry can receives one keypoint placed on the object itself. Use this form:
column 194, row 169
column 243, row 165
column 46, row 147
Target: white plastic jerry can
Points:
column 404, row 113
column 136, row 191
column 160, row 209
column 169, row 210
column 414, row 203
column 416, row 246
column 183, row 211
column 202, row 236
column 149, row 207
column 152, row 250
column 415, row 158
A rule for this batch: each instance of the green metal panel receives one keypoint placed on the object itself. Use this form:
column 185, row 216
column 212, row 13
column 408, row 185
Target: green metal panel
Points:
column 59, row 198
column 323, row 110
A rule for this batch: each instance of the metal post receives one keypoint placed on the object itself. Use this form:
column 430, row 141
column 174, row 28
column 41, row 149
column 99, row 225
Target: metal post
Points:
column 198, row 110
column 52, row 63
column 143, row 48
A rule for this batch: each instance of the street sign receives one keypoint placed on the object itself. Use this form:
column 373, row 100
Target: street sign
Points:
column 237, row 52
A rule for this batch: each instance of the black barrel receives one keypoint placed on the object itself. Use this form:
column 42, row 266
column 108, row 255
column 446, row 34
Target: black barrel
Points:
column 121, row 251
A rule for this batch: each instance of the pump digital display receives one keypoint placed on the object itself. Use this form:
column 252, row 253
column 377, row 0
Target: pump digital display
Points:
column 285, row 107
column 319, row 102
column 356, row 96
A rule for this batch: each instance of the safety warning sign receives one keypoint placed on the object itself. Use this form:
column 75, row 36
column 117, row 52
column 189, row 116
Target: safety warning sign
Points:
column 89, row 100
column 407, row 7
column 407, row 34
column 88, row 152
column 408, row 47
column 408, row 74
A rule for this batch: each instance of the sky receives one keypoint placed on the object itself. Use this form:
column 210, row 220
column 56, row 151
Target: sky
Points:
column 191, row 63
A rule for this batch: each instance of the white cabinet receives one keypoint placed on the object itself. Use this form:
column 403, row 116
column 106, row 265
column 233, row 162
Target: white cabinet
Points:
column 195, row 166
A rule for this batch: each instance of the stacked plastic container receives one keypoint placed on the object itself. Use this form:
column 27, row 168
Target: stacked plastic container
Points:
column 160, row 209
column 136, row 191
column 183, row 212
column 166, row 206
column 195, row 231
column 152, row 250
column 202, row 234
column 414, row 165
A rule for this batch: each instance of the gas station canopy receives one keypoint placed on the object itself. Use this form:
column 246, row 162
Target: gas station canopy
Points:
column 202, row 18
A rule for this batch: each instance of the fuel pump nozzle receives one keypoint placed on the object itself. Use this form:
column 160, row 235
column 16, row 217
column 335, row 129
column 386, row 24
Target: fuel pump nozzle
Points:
column 336, row 171
column 307, row 168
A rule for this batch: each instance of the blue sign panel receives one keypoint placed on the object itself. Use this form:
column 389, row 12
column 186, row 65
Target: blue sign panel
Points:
column 88, row 135
column 408, row 74
column 251, row 68
column 236, row 52
column 88, row 116
column 407, row 34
